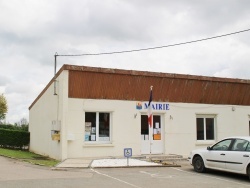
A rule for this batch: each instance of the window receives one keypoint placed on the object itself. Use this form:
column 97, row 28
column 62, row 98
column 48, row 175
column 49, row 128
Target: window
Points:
column 223, row 145
column 205, row 127
column 144, row 127
column 248, row 147
column 156, row 129
column 240, row 145
column 249, row 127
column 97, row 126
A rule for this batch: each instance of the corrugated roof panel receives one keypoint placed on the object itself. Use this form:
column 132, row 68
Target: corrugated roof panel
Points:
column 103, row 83
column 135, row 85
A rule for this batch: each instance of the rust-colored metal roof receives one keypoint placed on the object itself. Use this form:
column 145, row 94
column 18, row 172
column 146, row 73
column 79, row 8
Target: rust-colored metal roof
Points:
column 103, row 83
column 100, row 83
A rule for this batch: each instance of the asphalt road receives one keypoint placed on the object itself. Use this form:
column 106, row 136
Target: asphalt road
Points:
column 16, row 174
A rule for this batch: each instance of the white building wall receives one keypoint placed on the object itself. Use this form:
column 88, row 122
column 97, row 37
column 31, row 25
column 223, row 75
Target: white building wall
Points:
column 63, row 113
column 48, row 108
column 180, row 126
column 125, row 129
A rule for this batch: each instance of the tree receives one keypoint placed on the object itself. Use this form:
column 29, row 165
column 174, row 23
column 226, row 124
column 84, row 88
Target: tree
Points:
column 23, row 124
column 3, row 107
column 24, row 121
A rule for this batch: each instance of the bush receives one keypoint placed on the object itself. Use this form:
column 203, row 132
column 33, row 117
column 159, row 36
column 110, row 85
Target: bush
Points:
column 14, row 127
column 14, row 139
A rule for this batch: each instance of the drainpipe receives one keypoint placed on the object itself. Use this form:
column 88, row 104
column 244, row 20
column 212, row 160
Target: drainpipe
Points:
column 55, row 75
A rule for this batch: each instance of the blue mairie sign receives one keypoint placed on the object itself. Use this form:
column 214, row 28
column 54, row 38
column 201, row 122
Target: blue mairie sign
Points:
column 127, row 152
column 155, row 106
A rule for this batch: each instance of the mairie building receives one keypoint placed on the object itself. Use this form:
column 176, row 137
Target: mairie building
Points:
column 97, row 112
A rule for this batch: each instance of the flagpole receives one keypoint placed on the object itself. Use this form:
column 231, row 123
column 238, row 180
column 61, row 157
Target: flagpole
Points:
column 150, row 124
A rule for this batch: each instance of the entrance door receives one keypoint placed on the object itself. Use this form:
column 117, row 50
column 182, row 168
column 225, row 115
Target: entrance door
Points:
column 151, row 137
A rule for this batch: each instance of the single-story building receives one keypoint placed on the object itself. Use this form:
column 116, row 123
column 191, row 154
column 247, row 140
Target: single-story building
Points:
column 97, row 112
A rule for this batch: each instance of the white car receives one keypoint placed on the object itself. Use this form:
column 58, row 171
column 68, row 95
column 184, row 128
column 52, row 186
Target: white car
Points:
column 230, row 154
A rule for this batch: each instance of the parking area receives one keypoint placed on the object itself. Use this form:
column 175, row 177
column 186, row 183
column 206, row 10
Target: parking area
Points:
column 18, row 174
column 172, row 177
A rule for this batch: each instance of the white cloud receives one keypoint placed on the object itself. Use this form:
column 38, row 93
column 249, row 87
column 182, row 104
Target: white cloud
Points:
column 32, row 31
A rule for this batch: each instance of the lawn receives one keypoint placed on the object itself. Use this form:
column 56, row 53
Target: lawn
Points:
column 28, row 157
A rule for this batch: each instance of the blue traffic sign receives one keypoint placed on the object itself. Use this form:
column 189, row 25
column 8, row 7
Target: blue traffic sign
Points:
column 127, row 152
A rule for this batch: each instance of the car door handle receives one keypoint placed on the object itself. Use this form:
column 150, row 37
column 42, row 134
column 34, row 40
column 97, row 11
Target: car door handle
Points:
column 245, row 155
column 223, row 154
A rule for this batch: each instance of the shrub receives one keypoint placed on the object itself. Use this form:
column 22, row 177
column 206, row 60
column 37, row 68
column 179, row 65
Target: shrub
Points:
column 14, row 127
column 14, row 139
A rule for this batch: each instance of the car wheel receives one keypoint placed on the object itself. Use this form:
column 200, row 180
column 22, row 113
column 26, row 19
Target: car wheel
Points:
column 199, row 164
column 248, row 172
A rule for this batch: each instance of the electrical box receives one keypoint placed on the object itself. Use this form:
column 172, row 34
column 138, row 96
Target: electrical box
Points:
column 55, row 129
column 56, row 125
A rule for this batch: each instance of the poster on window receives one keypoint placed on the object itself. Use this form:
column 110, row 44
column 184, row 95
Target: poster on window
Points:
column 157, row 125
column 157, row 137
column 87, row 135
column 92, row 137
column 159, row 131
column 86, row 138
column 87, row 126
column 93, row 130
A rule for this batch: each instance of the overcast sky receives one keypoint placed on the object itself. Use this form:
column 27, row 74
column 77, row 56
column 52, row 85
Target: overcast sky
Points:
column 31, row 32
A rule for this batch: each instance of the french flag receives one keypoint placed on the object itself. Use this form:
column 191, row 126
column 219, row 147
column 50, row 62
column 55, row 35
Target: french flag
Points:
column 150, row 116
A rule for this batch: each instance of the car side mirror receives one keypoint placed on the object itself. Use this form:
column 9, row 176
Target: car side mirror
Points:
column 208, row 148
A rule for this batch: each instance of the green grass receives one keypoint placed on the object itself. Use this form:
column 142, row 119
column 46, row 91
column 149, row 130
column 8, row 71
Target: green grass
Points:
column 28, row 157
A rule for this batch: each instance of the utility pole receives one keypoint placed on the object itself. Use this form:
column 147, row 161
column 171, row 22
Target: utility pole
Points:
column 55, row 75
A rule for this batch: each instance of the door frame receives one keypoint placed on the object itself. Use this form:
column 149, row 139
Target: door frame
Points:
column 147, row 146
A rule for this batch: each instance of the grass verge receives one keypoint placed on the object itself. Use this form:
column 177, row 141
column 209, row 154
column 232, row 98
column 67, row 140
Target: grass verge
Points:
column 29, row 157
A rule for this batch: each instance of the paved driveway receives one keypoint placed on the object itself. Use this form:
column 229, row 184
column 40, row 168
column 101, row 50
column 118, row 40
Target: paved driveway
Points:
column 15, row 174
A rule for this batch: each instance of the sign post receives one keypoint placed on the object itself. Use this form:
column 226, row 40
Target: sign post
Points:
column 127, row 153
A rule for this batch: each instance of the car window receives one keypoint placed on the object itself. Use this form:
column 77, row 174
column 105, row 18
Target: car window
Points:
column 240, row 145
column 223, row 145
column 248, row 147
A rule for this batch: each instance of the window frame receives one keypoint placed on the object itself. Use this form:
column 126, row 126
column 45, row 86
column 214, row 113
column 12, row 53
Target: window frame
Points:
column 204, row 117
column 97, row 126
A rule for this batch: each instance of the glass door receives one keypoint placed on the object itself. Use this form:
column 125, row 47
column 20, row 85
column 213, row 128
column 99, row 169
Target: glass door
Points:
column 151, row 137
